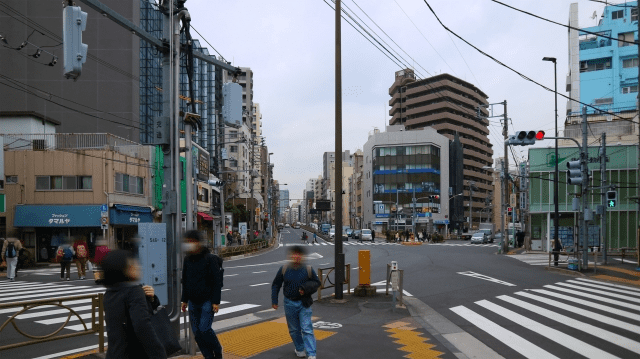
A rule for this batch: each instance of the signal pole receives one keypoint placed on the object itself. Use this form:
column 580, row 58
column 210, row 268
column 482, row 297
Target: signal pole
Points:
column 339, row 256
column 585, row 188
column 504, row 183
column 603, row 190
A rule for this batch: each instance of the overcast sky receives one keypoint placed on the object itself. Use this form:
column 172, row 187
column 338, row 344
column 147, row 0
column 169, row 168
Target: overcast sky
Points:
column 289, row 45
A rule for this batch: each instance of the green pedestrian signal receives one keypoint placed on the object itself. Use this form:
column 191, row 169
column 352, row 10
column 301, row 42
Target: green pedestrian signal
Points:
column 612, row 203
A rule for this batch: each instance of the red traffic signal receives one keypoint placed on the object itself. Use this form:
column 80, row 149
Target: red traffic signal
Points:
column 540, row 135
column 509, row 209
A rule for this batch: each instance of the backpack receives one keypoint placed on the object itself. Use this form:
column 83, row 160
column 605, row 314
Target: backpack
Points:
column 82, row 251
column 67, row 254
column 11, row 250
column 285, row 267
column 218, row 262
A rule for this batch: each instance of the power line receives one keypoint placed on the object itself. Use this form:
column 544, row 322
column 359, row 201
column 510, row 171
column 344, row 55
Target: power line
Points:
column 519, row 73
column 208, row 43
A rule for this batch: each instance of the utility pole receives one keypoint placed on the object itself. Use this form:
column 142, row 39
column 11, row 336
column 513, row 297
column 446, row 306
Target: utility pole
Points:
column 339, row 255
column 585, row 188
column 471, row 185
column 638, row 172
column 505, row 174
column 603, row 192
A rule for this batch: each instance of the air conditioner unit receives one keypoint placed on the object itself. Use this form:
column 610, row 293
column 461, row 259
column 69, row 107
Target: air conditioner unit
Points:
column 39, row 145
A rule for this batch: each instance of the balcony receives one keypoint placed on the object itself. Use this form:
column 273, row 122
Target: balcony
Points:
column 65, row 141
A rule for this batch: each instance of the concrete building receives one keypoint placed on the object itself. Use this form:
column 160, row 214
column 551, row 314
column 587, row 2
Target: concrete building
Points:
column 398, row 166
column 355, row 191
column 284, row 204
column 449, row 105
column 604, row 74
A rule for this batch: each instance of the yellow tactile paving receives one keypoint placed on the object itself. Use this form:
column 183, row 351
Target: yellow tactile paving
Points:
column 412, row 342
column 260, row 337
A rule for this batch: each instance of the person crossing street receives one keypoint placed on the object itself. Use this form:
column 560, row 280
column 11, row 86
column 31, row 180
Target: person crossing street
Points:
column 10, row 250
column 300, row 282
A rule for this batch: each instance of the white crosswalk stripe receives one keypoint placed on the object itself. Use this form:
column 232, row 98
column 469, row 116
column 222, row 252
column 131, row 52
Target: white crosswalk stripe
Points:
column 541, row 259
column 346, row 244
column 527, row 321
column 54, row 315
column 464, row 245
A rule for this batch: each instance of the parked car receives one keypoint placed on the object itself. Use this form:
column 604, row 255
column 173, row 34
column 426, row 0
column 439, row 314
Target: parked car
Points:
column 332, row 233
column 479, row 237
column 296, row 226
column 349, row 232
column 287, row 225
column 498, row 237
column 366, row 235
column 357, row 234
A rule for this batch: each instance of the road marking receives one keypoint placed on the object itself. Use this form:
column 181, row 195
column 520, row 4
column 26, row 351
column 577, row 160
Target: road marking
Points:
column 230, row 275
column 515, row 342
column 62, row 293
column 47, row 289
column 604, row 287
column 482, row 276
column 575, row 324
column 52, row 312
column 257, row 265
column 557, row 336
column 72, row 351
column 591, row 296
column 326, row 325
column 34, row 287
column 259, row 284
column 224, row 290
column 13, row 310
column 262, row 271
column 587, row 303
column 236, row 308
column 619, row 296
column 608, row 284
column 585, row 313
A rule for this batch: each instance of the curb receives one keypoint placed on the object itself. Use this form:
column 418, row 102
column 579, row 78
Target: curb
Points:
column 565, row 271
column 452, row 337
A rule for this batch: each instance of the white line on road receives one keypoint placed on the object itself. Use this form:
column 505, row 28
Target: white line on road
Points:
column 595, row 297
column 230, row 275
column 13, row 310
column 587, row 303
column 608, row 284
column 482, row 276
column 255, row 285
column 515, row 342
column 262, row 271
column 615, row 295
column 72, row 351
column 604, row 287
column 62, row 293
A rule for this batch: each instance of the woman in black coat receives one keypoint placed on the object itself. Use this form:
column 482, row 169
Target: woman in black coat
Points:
column 128, row 308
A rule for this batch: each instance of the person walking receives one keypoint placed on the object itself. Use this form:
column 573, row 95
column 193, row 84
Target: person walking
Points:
column 128, row 308
column 300, row 282
column 397, row 237
column 315, row 238
column 373, row 235
column 82, row 254
column 65, row 255
column 201, row 291
column 10, row 250
column 100, row 253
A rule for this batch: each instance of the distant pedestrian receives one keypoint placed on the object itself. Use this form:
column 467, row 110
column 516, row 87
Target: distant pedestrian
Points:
column 373, row 235
column 82, row 254
column 315, row 238
column 424, row 234
column 300, row 282
column 10, row 251
column 420, row 237
column 64, row 255
column 100, row 253
column 202, row 275
column 397, row 237
column 128, row 308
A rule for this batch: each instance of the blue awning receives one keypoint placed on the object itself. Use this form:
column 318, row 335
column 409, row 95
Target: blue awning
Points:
column 57, row 216
column 128, row 208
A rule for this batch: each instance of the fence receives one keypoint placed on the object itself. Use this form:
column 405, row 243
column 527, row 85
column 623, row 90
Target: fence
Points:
column 246, row 248
column 325, row 278
column 64, row 141
column 96, row 325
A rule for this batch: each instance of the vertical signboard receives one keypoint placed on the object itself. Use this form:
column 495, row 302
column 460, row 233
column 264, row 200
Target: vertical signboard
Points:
column 152, row 253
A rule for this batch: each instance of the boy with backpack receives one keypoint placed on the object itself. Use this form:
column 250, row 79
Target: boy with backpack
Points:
column 81, row 249
column 300, row 282
column 65, row 255
column 10, row 250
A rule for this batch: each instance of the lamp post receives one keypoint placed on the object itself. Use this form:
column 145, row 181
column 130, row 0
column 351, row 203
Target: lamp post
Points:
column 556, row 219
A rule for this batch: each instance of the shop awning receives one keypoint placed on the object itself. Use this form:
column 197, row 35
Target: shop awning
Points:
column 205, row 216
column 57, row 216
column 128, row 208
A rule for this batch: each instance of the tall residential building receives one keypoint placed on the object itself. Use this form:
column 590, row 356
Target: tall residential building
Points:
column 449, row 105
column 604, row 73
column 284, row 204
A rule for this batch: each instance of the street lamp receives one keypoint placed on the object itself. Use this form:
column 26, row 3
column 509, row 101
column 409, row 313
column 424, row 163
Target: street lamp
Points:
column 556, row 242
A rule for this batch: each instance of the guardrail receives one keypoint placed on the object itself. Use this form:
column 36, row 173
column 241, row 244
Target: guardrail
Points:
column 96, row 325
column 325, row 278
column 245, row 248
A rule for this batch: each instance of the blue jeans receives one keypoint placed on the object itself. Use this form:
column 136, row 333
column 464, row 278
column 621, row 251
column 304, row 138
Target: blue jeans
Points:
column 201, row 318
column 300, row 327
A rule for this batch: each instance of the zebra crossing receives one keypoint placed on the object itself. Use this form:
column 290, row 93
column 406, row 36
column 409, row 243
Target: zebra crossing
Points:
column 541, row 259
column 322, row 243
column 52, row 315
column 575, row 317
column 465, row 244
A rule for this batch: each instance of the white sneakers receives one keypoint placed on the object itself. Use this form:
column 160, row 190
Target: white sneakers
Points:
column 300, row 354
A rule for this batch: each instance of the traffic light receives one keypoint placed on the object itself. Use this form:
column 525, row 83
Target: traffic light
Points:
column 74, row 22
column 509, row 211
column 574, row 173
column 525, row 138
column 612, row 199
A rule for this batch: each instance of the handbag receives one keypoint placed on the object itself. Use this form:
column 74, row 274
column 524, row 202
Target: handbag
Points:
column 164, row 331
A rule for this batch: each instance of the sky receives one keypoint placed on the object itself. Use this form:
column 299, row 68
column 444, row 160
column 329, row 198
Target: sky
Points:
column 289, row 45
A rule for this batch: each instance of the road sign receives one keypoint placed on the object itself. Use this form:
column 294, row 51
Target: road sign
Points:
column 104, row 226
column 104, row 221
column 104, row 208
column 512, row 200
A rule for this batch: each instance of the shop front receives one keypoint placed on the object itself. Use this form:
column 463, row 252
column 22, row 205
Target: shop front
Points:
column 205, row 226
column 124, row 221
column 45, row 227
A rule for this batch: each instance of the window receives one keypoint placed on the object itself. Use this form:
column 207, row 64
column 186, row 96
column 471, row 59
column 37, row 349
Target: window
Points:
column 11, row 180
column 233, row 149
column 634, row 14
column 203, row 196
column 129, row 184
column 233, row 163
column 67, row 183
column 595, row 64
column 627, row 37
column 617, row 14
column 630, row 63
column 629, row 89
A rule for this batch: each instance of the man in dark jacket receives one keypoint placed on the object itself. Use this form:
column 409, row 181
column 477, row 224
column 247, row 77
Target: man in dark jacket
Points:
column 300, row 282
column 201, row 291
column 128, row 308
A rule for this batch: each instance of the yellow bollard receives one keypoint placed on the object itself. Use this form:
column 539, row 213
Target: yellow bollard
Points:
column 364, row 262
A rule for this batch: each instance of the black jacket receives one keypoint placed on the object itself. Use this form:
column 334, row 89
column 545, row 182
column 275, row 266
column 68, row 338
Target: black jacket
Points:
column 129, row 331
column 200, row 278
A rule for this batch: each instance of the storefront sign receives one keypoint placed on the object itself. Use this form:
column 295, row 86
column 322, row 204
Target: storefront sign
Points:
column 130, row 215
column 57, row 216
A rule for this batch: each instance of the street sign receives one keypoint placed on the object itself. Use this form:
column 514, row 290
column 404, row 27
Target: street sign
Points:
column 104, row 226
column 104, row 208
column 512, row 200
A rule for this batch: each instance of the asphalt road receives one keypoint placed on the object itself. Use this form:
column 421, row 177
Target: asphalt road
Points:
column 480, row 291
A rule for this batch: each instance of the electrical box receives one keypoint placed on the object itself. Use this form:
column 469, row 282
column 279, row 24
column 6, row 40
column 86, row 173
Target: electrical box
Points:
column 394, row 265
column 575, row 204
column 588, row 214
column 364, row 262
column 152, row 253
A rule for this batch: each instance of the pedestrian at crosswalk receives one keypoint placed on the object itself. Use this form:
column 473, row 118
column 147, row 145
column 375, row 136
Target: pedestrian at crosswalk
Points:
column 10, row 250
column 202, row 276
column 126, row 302
column 82, row 253
column 64, row 255
column 300, row 282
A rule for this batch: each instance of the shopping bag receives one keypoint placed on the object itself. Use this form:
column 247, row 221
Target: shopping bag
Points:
column 162, row 326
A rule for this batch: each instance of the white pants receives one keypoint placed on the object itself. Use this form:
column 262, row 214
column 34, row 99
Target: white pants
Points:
column 12, row 263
